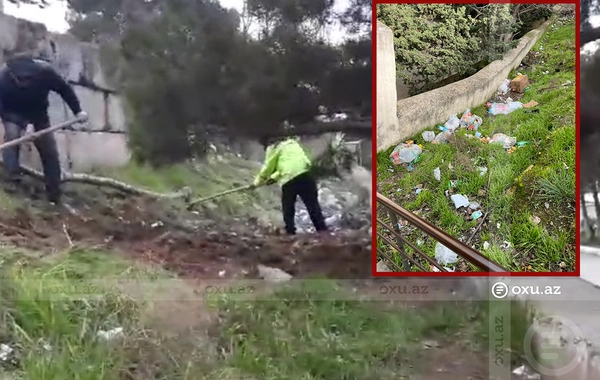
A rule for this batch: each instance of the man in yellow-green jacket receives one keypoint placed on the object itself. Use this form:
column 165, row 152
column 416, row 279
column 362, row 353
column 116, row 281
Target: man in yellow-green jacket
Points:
column 289, row 164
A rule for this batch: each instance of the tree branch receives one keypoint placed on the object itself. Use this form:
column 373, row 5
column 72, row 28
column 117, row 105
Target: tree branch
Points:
column 89, row 179
column 361, row 127
column 589, row 35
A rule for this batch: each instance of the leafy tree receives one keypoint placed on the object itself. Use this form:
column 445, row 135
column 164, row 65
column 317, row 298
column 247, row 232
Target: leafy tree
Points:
column 437, row 41
column 191, row 70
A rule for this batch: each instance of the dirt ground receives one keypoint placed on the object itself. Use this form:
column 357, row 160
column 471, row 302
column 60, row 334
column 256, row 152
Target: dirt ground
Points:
column 186, row 243
column 198, row 247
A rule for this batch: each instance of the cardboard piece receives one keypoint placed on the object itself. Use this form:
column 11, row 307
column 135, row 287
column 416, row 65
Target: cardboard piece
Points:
column 530, row 104
column 519, row 84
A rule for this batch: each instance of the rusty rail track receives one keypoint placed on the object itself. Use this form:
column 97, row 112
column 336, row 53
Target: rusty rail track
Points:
column 410, row 261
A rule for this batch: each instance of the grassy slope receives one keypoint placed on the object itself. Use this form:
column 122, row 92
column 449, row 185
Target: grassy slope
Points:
column 547, row 191
column 208, row 178
column 299, row 336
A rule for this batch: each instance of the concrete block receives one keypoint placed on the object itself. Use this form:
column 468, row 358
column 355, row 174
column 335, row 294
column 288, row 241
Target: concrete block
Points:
column 77, row 61
column 58, row 111
column 387, row 120
column 8, row 33
column 93, row 102
column 116, row 114
column 88, row 150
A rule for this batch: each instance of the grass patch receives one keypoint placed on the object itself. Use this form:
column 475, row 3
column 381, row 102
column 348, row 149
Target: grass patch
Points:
column 309, row 332
column 205, row 178
column 530, row 193
column 9, row 205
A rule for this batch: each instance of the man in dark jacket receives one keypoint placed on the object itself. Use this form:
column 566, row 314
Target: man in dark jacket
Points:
column 25, row 83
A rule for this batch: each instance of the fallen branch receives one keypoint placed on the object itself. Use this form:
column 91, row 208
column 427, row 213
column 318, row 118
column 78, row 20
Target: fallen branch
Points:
column 71, row 245
column 480, row 225
column 89, row 179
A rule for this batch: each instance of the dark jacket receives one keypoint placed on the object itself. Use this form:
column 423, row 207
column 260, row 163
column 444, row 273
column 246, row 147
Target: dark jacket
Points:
column 24, row 87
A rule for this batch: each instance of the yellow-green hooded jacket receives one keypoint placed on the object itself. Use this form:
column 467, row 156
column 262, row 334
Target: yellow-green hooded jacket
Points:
column 284, row 161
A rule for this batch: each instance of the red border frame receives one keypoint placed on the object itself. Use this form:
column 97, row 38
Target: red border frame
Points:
column 374, row 272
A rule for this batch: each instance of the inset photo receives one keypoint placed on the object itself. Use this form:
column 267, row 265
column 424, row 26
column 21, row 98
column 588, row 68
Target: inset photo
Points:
column 476, row 138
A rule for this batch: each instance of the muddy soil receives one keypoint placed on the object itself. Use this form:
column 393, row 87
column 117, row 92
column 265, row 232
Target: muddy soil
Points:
column 189, row 244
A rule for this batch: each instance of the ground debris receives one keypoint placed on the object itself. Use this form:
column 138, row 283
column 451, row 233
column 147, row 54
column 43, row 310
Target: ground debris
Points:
column 273, row 274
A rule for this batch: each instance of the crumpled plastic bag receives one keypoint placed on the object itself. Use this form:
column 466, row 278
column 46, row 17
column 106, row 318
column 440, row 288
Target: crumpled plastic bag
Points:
column 504, row 87
column 405, row 153
column 503, row 108
column 428, row 135
column 470, row 121
column 452, row 123
column 506, row 141
column 444, row 255
column 437, row 174
column 442, row 137
column 459, row 200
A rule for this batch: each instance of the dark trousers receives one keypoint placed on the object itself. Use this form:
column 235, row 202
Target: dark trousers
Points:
column 305, row 187
column 14, row 127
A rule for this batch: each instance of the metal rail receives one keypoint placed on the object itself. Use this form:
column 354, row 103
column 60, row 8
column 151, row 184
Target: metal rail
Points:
column 461, row 249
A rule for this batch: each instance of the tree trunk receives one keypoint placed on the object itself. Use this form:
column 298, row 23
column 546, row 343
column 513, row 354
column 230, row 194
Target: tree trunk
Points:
column 586, row 216
column 89, row 179
column 596, row 200
column 506, row 38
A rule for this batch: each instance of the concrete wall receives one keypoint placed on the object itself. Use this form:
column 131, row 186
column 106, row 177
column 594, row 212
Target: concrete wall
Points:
column 103, row 142
column 387, row 119
column 434, row 107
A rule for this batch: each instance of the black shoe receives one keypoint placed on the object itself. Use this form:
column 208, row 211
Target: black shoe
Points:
column 53, row 197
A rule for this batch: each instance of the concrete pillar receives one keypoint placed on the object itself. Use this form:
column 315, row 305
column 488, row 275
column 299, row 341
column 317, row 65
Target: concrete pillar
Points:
column 386, row 82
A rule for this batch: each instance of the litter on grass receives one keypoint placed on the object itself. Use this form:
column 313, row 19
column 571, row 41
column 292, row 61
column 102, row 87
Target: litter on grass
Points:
column 405, row 153
column 428, row 136
column 470, row 121
column 503, row 108
column 437, row 174
column 452, row 123
column 506, row 141
column 459, row 201
column 504, row 87
column 530, row 104
column 444, row 255
column 437, row 270
column 453, row 183
column 441, row 137
column 519, row 84
column 112, row 334
column 476, row 215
